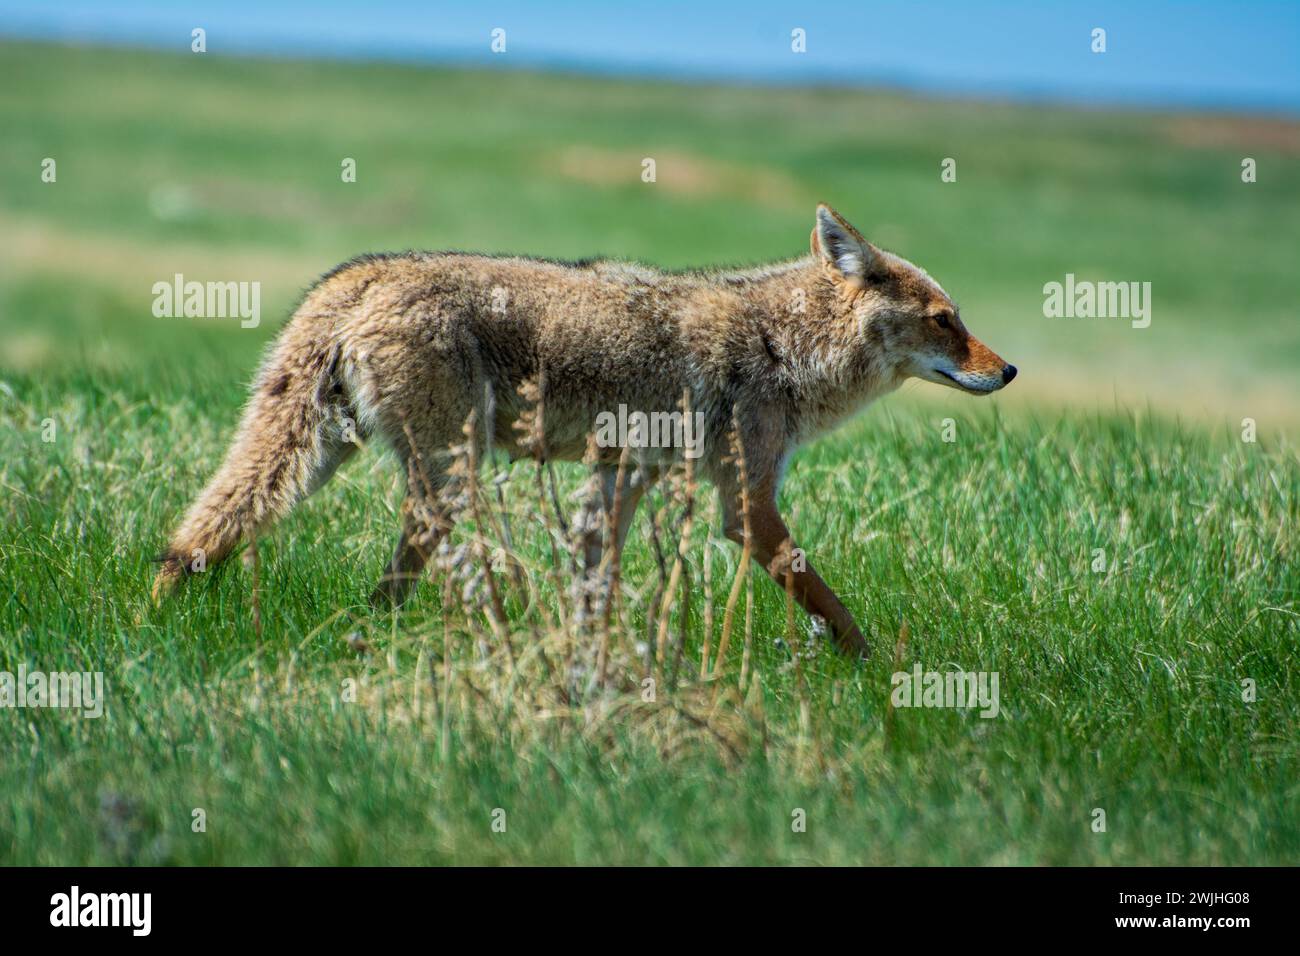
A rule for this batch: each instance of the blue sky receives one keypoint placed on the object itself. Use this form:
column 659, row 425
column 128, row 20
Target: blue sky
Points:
column 1225, row 55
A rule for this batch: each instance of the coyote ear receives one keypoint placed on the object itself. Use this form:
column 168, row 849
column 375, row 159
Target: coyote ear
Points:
column 841, row 246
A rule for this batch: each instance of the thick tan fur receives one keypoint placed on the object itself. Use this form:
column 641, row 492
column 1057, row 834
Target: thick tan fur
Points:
column 407, row 345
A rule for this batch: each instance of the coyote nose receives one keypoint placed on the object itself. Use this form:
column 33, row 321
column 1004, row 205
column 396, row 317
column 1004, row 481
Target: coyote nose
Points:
column 1008, row 373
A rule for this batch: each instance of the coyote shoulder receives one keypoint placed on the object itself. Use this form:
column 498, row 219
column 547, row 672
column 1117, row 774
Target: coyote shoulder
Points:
column 407, row 346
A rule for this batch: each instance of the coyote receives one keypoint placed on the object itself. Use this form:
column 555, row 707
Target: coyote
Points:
column 408, row 345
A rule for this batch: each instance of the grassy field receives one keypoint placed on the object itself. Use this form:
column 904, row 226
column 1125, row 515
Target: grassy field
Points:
column 320, row 732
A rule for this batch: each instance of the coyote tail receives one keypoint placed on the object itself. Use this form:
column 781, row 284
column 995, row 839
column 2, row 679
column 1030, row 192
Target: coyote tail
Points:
column 288, row 443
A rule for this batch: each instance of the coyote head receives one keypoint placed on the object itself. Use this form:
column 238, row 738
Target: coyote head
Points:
column 912, row 324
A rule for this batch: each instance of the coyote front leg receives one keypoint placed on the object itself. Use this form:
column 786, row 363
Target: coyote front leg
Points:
column 813, row 594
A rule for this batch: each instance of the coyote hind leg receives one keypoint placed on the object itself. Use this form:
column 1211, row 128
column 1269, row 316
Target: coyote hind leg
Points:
column 424, row 433
column 424, row 522
column 597, row 510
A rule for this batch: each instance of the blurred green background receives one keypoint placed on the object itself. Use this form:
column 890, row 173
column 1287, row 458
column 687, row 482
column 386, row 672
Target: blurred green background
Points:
column 227, row 169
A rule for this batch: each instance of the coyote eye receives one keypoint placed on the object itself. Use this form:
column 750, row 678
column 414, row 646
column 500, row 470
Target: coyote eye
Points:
column 942, row 319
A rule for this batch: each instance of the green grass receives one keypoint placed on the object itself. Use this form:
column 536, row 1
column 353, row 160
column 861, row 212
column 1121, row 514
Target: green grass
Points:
column 1119, row 690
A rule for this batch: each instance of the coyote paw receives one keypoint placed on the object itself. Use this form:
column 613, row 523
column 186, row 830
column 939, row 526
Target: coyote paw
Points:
column 852, row 643
column 391, row 592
